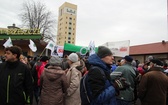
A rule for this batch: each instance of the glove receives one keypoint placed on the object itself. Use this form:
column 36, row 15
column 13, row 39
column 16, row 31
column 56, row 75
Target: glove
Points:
column 121, row 84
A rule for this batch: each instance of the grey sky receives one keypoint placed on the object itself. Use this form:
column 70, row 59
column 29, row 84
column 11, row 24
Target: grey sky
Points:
column 140, row 21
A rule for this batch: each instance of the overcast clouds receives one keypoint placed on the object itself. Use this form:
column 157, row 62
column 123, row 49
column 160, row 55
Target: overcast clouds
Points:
column 140, row 21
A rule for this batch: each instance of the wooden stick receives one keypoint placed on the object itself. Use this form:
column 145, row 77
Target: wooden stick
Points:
column 42, row 52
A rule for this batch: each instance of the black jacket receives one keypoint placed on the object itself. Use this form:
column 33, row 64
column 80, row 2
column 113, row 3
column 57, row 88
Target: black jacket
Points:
column 15, row 84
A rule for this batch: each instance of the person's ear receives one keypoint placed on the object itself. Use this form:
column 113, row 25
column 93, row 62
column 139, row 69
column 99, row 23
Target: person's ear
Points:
column 15, row 55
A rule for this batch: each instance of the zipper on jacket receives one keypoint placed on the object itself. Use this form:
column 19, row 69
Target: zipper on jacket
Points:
column 7, row 100
column 24, row 95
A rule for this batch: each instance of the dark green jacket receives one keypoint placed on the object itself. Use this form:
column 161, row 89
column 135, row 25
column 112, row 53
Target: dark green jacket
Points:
column 129, row 74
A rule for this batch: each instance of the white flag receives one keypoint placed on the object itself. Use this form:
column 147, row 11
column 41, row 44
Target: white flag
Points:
column 91, row 48
column 32, row 46
column 119, row 49
column 50, row 46
column 8, row 43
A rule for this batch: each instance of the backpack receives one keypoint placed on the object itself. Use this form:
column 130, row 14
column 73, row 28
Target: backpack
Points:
column 85, row 92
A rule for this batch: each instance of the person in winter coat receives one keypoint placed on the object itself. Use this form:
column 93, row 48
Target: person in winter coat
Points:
column 140, row 69
column 73, row 77
column 53, row 83
column 103, row 91
column 153, row 86
column 126, row 97
column 16, row 83
column 39, row 70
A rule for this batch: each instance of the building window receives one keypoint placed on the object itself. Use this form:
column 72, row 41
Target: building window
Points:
column 70, row 28
column 66, row 22
column 61, row 12
column 69, row 38
column 73, row 28
column 65, row 37
column 70, row 18
column 65, row 32
column 70, row 23
column 74, row 18
column 73, row 23
column 69, row 41
column 69, row 33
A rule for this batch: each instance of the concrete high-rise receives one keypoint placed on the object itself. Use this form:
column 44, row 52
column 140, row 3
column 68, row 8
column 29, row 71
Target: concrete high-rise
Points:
column 67, row 24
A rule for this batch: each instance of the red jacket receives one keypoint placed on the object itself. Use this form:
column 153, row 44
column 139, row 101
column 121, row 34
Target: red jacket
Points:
column 40, row 70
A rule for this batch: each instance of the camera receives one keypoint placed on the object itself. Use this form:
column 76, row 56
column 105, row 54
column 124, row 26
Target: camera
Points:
column 116, row 77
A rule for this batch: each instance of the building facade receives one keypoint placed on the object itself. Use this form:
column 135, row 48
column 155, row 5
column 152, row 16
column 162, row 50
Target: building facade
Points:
column 67, row 24
column 20, row 37
column 157, row 50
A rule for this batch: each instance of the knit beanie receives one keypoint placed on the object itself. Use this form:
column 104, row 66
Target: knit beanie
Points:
column 55, row 61
column 103, row 51
column 73, row 57
column 128, row 58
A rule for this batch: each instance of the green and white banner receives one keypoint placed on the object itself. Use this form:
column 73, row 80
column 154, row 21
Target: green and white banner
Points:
column 69, row 48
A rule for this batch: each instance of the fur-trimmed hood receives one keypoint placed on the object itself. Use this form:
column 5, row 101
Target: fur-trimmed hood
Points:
column 53, row 72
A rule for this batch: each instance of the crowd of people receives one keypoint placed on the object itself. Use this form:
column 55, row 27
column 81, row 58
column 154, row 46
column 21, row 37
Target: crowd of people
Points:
column 54, row 80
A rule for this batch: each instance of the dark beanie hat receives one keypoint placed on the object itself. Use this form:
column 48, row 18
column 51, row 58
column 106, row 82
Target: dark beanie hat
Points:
column 157, row 62
column 44, row 58
column 128, row 58
column 103, row 51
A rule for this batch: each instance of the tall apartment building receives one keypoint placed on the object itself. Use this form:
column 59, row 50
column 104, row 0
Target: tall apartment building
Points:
column 67, row 24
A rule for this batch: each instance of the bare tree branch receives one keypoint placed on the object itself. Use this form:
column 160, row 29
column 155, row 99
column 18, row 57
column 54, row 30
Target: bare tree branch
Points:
column 36, row 16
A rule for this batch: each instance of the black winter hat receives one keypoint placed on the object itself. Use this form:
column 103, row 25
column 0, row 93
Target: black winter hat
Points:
column 103, row 51
column 157, row 62
column 128, row 58
column 44, row 58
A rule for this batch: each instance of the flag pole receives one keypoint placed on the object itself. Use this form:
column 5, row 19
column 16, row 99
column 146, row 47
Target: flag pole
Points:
column 42, row 52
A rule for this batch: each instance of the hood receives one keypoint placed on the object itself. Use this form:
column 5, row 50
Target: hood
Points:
column 96, row 61
column 53, row 72
column 73, row 65
column 155, row 69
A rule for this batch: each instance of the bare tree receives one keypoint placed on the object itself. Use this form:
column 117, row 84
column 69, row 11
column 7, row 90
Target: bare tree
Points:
column 34, row 15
